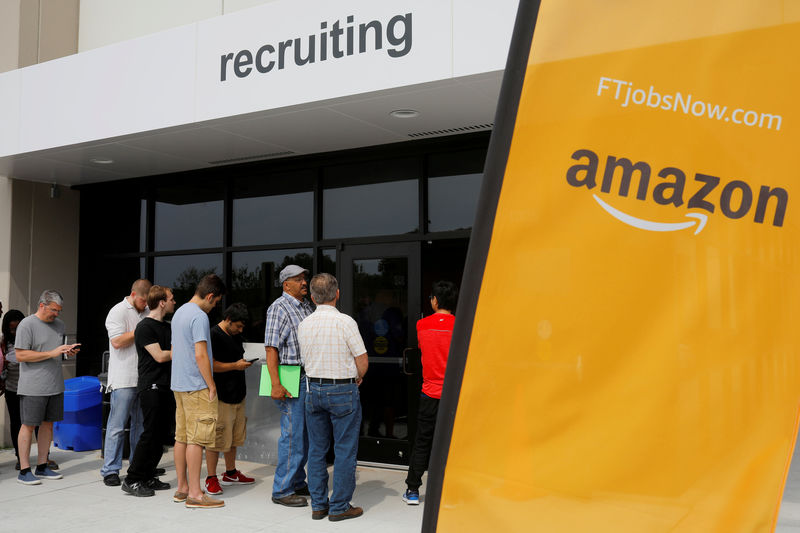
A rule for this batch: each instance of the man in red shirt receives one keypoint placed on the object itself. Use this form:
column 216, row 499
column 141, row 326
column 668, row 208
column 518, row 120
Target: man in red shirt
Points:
column 433, row 336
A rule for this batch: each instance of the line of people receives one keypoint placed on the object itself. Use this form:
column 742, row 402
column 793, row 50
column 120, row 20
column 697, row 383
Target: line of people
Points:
column 187, row 368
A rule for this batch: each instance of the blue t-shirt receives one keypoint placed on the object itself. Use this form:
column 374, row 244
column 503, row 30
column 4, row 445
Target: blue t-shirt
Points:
column 189, row 325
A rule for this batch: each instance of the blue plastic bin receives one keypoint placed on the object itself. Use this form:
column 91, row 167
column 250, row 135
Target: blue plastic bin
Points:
column 80, row 430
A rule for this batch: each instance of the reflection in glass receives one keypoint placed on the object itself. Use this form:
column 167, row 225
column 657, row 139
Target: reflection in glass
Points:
column 182, row 272
column 328, row 264
column 274, row 209
column 375, row 198
column 254, row 279
column 380, row 301
column 452, row 201
column 187, row 226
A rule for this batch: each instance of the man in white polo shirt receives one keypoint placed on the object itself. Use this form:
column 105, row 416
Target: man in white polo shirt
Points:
column 123, row 376
column 335, row 361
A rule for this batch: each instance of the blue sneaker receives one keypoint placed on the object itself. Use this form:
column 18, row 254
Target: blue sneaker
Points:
column 46, row 473
column 28, row 479
column 411, row 497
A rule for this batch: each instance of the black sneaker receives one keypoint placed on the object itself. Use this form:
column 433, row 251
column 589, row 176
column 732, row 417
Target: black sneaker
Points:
column 156, row 484
column 160, row 472
column 137, row 489
column 112, row 480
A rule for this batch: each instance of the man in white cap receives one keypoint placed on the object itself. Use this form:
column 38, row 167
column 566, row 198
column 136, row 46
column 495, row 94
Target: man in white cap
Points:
column 280, row 341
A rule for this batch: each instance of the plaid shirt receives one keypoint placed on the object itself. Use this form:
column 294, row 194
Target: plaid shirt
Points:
column 283, row 317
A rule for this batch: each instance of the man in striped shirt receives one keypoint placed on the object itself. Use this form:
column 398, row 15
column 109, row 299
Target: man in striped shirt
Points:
column 280, row 341
column 335, row 361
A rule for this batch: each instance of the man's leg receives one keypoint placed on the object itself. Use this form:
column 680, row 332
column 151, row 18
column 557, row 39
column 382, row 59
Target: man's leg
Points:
column 137, row 421
column 121, row 401
column 24, row 441
column 346, row 421
column 300, row 447
column 147, row 453
column 230, row 459
column 43, row 441
column 421, row 453
column 179, row 452
column 212, row 458
column 319, row 430
column 194, row 463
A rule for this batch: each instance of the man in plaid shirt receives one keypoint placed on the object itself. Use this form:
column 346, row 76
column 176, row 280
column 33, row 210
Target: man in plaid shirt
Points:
column 280, row 341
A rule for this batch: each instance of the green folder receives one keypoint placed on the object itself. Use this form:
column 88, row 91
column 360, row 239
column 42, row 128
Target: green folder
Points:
column 289, row 376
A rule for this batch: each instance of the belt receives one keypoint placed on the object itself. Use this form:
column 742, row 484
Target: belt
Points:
column 332, row 381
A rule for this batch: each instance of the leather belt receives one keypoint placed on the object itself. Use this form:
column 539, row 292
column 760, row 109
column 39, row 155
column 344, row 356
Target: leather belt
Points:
column 332, row 381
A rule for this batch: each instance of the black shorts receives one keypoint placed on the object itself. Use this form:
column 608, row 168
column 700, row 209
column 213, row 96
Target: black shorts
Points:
column 34, row 410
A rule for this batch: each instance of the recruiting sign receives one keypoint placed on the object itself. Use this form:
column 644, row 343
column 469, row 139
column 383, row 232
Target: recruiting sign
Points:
column 630, row 359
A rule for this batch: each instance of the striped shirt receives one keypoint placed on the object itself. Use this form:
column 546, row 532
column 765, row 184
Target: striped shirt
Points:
column 283, row 317
column 329, row 340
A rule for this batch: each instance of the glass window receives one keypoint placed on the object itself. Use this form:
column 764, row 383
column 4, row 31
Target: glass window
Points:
column 254, row 280
column 273, row 209
column 182, row 272
column 112, row 216
column 328, row 264
column 143, row 227
column 189, row 216
column 376, row 198
column 454, row 186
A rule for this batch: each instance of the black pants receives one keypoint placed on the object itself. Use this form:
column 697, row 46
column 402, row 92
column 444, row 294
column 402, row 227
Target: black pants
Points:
column 12, row 402
column 421, row 454
column 158, row 409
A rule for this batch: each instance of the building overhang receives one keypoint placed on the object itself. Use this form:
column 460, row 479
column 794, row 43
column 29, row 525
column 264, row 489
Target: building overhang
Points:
column 214, row 92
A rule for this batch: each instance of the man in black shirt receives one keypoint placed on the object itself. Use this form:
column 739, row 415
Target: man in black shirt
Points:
column 227, row 349
column 153, row 341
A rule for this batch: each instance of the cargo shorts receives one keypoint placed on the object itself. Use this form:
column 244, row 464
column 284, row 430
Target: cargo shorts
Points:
column 195, row 418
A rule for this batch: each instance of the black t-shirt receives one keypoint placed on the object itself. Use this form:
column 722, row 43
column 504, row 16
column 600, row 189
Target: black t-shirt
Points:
column 147, row 332
column 231, row 385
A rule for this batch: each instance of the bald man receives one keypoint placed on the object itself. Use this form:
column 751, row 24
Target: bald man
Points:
column 123, row 376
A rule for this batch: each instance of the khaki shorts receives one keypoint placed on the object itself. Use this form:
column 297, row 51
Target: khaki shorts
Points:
column 231, row 426
column 195, row 418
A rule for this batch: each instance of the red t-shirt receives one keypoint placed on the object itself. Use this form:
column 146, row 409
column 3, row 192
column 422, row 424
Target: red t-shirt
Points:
column 433, row 335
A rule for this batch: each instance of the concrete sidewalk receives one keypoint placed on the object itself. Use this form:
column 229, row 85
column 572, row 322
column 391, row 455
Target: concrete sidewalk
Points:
column 81, row 502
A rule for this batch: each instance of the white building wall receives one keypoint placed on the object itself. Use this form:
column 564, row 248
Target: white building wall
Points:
column 104, row 22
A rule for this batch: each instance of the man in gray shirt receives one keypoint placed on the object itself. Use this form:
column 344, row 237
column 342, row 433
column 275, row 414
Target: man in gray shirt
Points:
column 41, row 385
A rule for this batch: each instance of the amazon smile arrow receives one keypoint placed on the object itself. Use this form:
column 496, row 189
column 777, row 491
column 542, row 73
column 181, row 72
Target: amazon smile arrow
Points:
column 654, row 226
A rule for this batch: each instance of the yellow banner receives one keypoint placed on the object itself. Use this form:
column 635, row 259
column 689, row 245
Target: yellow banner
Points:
column 633, row 363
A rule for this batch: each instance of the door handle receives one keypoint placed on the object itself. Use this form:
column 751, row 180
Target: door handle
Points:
column 412, row 361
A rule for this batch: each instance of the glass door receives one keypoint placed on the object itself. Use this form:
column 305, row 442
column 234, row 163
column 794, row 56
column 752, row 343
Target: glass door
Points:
column 380, row 288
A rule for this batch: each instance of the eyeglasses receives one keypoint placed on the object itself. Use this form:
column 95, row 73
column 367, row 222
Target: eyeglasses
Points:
column 53, row 310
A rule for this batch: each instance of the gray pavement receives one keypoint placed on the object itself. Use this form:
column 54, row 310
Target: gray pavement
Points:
column 81, row 502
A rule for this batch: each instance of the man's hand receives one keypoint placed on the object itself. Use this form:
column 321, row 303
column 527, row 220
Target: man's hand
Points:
column 212, row 393
column 65, row 349
column 359, row 381
column 279, row 392
column 241, row 364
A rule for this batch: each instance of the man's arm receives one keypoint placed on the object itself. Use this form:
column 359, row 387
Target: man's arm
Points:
column 31, row 356
column 122, row 341
column 161, row 356
column 279, row 392
column 201, row 357
column 241, row 364
column 362, row 363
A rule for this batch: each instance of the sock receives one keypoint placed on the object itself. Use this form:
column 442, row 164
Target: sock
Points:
column 209, row 477
column 41, row 467
column 231, row 473
column 24, row 471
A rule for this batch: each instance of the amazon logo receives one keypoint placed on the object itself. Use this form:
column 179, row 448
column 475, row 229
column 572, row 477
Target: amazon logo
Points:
column 670, row 187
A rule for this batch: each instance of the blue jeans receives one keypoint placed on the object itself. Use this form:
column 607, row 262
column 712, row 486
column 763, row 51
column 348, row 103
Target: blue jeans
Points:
column 290, row 474
column 124, row 403
column 336, row 409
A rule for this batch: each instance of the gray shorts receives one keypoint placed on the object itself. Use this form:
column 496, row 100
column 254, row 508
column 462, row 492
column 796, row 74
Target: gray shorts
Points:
column 34, row 410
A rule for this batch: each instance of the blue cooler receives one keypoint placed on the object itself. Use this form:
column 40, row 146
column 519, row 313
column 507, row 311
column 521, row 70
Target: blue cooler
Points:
column 83, row 416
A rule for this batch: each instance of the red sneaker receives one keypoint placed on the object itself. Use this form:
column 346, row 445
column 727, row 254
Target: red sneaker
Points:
column 212, row 485
column 237, row 479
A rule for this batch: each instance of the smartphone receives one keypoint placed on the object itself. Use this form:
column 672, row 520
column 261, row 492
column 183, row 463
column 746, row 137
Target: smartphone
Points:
column 253, row 360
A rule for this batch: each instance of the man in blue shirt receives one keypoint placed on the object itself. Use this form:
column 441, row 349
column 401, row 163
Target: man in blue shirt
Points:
column 195, row 393
column 280, row 340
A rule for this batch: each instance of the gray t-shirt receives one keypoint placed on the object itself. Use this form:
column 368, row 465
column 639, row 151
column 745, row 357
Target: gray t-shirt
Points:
column 42, row 378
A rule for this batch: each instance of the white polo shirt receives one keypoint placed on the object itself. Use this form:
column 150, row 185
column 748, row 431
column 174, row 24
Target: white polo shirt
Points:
column 329, row 341
column 123, row 370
